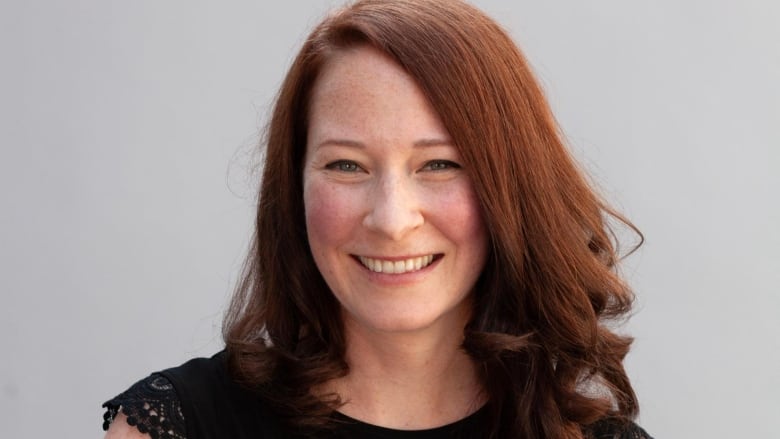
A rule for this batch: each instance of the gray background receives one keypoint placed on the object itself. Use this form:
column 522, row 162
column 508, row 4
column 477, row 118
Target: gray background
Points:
column 126, row 178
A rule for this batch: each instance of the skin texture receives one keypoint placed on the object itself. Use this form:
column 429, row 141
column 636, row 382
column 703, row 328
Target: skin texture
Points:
column 382, row 180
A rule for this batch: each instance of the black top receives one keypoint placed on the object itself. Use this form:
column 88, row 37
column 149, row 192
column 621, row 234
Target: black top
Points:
column 199, row 400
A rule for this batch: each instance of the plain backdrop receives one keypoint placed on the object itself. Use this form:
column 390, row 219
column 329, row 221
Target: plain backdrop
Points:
column 127, row 178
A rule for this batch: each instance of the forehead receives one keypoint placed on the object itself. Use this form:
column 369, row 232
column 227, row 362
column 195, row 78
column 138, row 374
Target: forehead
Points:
column 364, row 89
column 357, row 63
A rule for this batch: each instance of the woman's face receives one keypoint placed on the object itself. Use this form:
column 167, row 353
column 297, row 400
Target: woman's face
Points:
column 392, row 219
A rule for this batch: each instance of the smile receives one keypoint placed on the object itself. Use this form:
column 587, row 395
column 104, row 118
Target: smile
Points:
column 396, row 267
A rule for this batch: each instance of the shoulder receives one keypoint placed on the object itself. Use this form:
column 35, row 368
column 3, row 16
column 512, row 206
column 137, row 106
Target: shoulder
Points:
column 198, row 399
column 149, row 407
column 612, row 428
column 121, row 429
column 199, row 378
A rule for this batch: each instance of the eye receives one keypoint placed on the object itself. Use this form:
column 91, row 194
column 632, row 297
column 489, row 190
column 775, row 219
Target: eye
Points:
column 440, row 165
column 343, row 166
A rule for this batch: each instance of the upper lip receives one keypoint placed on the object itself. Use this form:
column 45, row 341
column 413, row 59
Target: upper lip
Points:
column 396, row 258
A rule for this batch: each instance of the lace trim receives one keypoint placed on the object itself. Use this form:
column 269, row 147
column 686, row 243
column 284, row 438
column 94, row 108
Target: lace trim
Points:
column 152, row 406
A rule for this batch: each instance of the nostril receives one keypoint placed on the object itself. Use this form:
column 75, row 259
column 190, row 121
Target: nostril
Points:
column 394, row 212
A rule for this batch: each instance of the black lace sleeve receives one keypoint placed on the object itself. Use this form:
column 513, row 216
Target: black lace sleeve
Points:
column 152, row 406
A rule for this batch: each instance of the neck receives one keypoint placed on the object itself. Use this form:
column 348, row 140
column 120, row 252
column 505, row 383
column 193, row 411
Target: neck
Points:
column 412, row 380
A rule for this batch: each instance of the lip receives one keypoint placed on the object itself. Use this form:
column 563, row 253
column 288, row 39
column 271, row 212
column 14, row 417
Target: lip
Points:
column 395, row 278
column 397, row 258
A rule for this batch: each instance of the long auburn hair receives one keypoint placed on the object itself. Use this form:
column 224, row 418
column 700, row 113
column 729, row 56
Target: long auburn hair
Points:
column 549, row 363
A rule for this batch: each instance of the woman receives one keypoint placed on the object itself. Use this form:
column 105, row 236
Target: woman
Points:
column 428, row 260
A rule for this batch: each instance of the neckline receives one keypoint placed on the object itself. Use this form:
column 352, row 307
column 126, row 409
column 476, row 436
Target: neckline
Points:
column 366, row 428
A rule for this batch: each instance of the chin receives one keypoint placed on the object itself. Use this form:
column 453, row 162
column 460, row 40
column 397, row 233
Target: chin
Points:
column 412, row 322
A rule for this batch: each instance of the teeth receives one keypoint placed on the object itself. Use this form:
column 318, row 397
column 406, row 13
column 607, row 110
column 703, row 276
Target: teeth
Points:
column 396, row 267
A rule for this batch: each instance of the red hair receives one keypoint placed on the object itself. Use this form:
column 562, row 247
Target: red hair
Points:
column 549, row 364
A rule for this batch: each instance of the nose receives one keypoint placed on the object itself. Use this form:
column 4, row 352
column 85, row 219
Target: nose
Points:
column 394, row 208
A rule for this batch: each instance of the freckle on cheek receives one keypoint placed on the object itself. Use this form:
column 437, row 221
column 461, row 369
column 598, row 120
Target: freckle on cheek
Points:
column 323, row 211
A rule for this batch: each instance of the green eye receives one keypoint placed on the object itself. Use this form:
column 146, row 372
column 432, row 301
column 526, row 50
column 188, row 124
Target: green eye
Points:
column 440, row 165
column 343, row 166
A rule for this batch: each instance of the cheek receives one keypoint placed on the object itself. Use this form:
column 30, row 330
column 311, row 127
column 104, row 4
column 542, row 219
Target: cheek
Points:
column 459, row 215
column 329, row 215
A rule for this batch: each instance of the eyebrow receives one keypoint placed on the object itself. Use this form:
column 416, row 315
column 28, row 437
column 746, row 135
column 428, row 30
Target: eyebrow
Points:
column 360, row 145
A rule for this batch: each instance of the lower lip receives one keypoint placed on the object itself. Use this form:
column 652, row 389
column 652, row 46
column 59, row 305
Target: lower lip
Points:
column 402, row 278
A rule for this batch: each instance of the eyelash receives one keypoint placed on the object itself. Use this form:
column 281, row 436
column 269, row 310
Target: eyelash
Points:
column 433, row 165
column 340, row 165
column 441, row 165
